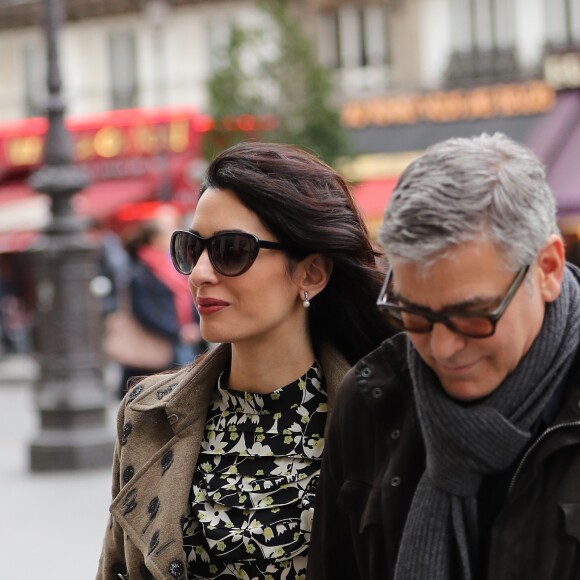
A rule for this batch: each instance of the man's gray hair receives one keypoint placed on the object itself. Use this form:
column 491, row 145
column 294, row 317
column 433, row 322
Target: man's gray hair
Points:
column 460, row 190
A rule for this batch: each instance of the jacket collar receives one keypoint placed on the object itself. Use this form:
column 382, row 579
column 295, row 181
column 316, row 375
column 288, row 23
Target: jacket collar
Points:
column 383, row 379
column 185, row 395
column 383, row 376
column 569, row 411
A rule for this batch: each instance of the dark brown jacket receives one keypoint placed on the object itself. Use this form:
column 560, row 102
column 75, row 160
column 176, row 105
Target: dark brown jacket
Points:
column 374, row 457
column 160, row 426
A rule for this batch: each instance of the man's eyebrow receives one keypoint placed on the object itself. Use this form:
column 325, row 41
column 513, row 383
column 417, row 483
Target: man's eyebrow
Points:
column 470, row 304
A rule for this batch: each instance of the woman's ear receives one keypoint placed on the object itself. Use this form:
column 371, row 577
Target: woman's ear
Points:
column 313, row 274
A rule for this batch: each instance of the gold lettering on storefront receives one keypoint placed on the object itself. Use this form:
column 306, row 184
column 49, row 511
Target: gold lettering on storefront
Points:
column 178, row 136
column 108, row 142
column 507, row 100
column 439, row 107
column 480, row 105
column 84, row 147
column 145, row 140
column 24, row 150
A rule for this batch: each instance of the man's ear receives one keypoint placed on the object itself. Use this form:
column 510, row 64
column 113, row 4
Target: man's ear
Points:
column 551, row 263
column 313, row 274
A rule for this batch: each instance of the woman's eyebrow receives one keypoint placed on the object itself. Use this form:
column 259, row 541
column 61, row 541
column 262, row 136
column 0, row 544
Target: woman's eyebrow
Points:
column 217, row 232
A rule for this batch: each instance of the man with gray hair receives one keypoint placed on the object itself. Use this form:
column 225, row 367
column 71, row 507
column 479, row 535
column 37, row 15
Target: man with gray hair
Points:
column 453, row 452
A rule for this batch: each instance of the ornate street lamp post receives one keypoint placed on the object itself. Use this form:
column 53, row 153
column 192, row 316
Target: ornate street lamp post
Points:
column 70, row 396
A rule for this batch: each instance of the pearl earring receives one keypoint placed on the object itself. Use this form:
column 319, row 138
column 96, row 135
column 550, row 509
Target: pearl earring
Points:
column 306, row 302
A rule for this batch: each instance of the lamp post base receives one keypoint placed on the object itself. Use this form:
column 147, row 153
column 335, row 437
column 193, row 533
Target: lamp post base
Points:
column 64, row 450
column 70, row 395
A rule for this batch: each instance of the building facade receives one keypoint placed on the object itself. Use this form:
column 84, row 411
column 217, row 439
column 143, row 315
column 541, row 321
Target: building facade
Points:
column 407, row 73
column 143, row 53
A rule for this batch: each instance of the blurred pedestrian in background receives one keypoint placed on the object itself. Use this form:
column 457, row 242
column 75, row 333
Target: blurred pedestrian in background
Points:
column 14, row 322
column 115, row 266
column 158, row 296
column 216, row 465
column 5, row 344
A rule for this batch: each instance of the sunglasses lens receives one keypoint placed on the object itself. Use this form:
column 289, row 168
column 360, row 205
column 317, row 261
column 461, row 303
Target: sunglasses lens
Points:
column 185, row 251
column 409, row 321
column 472, row 326
column 233, row 254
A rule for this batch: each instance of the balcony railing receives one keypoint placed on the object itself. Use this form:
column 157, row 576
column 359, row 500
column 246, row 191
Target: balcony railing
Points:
column 482, row 67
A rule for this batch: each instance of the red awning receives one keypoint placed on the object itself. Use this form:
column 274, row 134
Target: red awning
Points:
column 14, row 190
column 102, row 199
column 372, row 196
column 16, row 241
column 24, row 212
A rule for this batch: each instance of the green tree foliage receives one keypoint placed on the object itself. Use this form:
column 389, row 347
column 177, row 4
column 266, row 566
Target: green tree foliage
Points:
column 272, row 73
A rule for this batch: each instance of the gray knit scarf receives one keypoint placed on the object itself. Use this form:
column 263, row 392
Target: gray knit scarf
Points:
column 464, row 443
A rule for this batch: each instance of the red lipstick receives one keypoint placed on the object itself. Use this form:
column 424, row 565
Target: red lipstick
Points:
column 208, row 305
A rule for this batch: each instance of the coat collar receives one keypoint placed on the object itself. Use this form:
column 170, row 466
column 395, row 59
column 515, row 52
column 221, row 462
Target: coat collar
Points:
column 185, row 395
column 150, row 505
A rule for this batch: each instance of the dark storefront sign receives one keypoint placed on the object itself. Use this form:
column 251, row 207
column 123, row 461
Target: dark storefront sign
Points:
column 384, row 128
column 534, row 113
column 420, row 136
column 413, row 122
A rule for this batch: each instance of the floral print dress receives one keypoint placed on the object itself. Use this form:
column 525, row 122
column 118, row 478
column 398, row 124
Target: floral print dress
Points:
column 254, row 485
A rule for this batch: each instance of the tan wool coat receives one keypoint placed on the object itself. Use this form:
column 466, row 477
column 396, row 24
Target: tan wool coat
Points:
column 160, row 426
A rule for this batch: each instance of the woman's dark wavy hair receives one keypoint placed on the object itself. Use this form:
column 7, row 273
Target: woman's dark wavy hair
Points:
column 308, row 207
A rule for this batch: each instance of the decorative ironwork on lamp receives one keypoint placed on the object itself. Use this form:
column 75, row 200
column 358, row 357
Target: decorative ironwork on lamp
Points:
column 70, row 395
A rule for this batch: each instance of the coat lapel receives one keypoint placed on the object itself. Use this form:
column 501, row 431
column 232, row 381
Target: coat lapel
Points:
column 160, row 442
column 160, row 439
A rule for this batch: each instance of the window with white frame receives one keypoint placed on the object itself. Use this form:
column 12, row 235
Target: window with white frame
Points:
column 354, row 40
column 562, row 22
column 482, row 25
column 483, row 39
column 123, row 69
column 354, row 36
column 34, row 61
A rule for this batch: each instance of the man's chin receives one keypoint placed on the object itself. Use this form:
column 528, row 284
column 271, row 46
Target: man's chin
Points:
column 466, row 390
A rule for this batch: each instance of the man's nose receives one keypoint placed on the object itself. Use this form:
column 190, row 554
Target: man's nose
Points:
column 444, row 342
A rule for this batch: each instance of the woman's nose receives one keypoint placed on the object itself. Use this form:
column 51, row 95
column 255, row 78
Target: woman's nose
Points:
column 203, row 271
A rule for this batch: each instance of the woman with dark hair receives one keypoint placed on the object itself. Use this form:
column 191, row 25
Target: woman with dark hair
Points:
column 216, row 465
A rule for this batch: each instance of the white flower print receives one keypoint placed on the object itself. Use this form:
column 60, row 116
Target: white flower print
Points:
column 214, row 443
column 283, row 466
column 214, row 515
column 255, row 483
column 314, row 447
column 259, row 449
